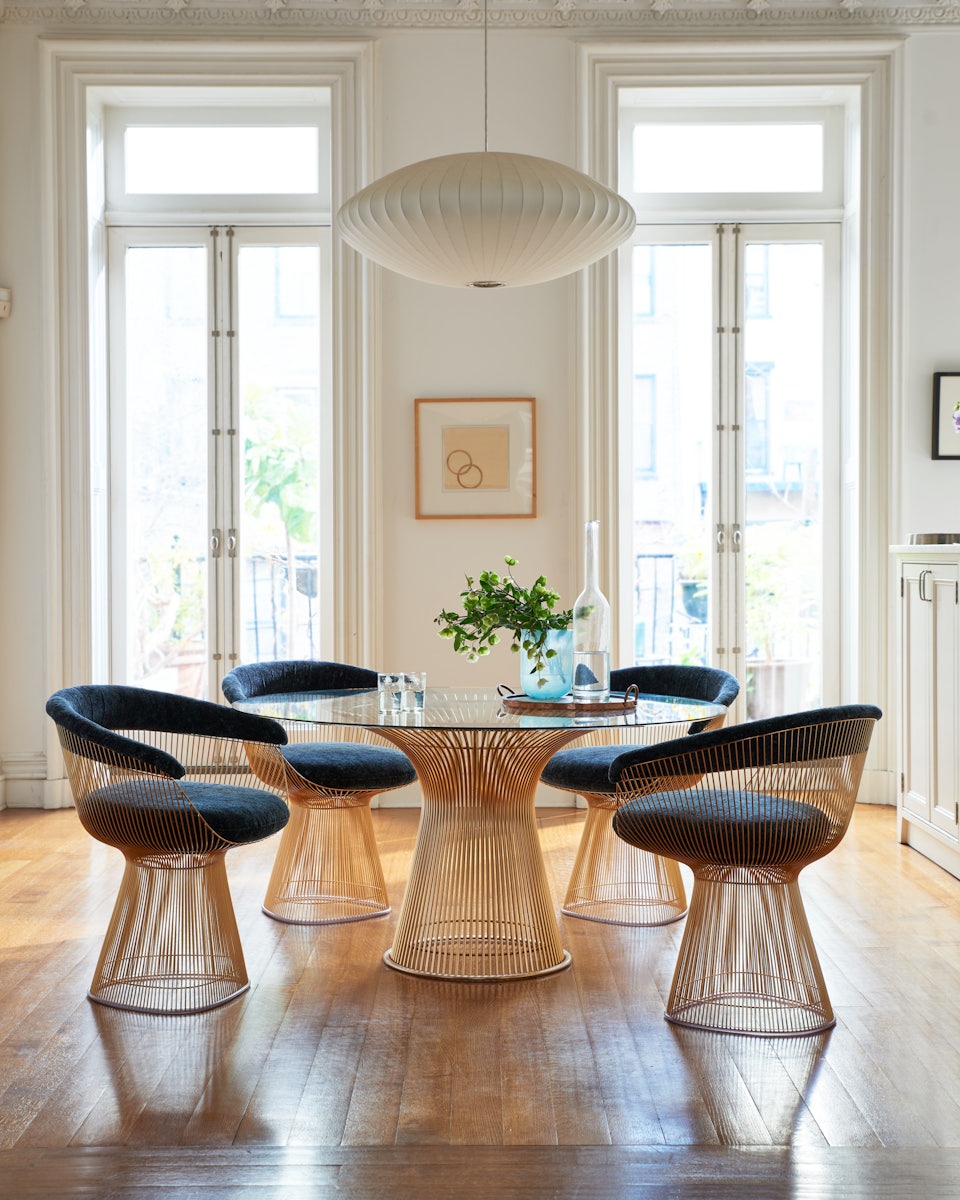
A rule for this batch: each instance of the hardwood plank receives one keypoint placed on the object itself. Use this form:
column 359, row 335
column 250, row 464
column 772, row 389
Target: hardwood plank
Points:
column 477, row 1011
column 835, row 1112
column 277, row 1094
column 529, row 1109
column 627, row 1099
column 570, row 1067
column 374, row 1112
column 587, row 1173
column 426, row 1096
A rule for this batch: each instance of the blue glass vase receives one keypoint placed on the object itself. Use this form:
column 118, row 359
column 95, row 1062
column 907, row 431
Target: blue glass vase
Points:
column 555, row 679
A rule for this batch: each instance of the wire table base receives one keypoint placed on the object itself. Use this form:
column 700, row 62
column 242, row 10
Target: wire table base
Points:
column 478, row 904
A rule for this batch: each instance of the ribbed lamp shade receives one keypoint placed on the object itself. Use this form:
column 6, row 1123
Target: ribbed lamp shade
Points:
column 485, row 219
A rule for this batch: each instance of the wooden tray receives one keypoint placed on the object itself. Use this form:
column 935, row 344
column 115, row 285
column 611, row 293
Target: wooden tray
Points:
column 519, row 702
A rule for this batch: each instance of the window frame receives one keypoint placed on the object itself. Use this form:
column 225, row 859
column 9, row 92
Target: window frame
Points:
column 767, row 106
column 221, row 107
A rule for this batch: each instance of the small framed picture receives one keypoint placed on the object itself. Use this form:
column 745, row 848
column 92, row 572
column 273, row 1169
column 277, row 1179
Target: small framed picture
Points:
column 476, row 458
column 946, row 429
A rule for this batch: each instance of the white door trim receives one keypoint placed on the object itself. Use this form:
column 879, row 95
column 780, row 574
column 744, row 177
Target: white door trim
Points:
column 72, row 73
column 874, row 66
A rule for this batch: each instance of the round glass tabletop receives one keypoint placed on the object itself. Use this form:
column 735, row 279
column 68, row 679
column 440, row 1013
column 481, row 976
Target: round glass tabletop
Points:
column 468, row 708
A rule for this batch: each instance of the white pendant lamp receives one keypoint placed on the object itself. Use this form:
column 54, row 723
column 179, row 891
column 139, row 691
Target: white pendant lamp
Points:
column 485, row 219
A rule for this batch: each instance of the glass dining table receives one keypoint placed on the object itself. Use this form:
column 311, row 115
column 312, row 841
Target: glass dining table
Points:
column 477, row 904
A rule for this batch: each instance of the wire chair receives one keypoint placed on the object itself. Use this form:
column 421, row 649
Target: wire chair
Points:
column 167, row 780
column 327, row 868
column 611, row 881
column 747, row 808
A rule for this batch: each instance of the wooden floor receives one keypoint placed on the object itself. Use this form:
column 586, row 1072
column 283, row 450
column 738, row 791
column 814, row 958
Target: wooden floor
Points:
column 336, row 1076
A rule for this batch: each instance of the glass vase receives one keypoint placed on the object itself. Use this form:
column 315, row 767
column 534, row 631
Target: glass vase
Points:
column 591, row 626
column 555, row 678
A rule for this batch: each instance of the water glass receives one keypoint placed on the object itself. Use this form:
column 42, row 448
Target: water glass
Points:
column 389, row 692
column 412, row 688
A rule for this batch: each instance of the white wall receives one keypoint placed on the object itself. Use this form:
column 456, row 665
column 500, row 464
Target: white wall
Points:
column 25, row 482
column 931, row 489
column 440, row 342
column 446, row 342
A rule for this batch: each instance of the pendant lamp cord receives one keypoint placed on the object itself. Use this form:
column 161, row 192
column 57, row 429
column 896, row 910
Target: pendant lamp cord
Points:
column 485, row 76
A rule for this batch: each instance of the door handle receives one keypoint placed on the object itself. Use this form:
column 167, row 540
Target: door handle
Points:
column 922, row 588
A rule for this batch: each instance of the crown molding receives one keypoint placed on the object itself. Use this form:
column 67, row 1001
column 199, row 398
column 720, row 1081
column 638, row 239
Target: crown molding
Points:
column 609, row 17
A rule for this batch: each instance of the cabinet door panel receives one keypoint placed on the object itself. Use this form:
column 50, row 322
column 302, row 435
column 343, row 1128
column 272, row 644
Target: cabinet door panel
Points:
column 945, row 748
column 916, row 692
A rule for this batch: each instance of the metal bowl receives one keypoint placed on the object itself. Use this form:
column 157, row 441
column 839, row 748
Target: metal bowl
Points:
column 934, row 539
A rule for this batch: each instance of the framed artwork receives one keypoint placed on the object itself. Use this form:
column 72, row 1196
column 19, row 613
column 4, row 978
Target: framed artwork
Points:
column 946, row 433
column 476, row 458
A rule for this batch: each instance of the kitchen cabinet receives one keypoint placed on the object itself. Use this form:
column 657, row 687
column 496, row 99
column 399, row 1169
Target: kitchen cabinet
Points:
column 928, row 695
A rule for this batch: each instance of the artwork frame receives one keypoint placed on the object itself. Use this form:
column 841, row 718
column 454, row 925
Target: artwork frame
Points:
column 946, row 393
column 475, row 457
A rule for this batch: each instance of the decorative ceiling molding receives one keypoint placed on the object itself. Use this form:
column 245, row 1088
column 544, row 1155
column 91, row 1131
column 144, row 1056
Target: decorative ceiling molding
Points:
column 609, row 17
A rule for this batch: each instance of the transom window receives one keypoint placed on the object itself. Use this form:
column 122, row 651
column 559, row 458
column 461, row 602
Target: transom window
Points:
column 241, row 160
column 782, row 157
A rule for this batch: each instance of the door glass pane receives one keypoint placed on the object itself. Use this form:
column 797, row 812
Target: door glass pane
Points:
column 783, row 422
column 279, row 363
column 164, row 576
column 670, row 430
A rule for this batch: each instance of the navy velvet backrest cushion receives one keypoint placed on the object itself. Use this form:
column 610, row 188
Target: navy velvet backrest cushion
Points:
column 298, row 675
column 691, row 683
column 94, row 711
column 582, row 769
column 739, row 743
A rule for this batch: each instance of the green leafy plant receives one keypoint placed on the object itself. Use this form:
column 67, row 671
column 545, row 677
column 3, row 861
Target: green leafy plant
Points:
column 494, row 603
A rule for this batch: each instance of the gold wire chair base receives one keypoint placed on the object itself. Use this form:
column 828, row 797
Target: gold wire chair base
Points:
column 747, row 1010
column 747, row 963
column 172, row 945
column 327, row 870
column 618, row 884
column 159, row 984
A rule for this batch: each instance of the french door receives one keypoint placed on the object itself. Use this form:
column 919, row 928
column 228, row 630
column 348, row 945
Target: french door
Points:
column 730, row 456
column 219, row 432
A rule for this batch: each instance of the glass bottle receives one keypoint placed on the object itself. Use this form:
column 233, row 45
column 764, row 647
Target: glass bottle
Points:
column 591, row 627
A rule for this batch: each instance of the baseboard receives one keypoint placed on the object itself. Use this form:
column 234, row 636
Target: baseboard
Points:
column 878, row 787
column 944, row 853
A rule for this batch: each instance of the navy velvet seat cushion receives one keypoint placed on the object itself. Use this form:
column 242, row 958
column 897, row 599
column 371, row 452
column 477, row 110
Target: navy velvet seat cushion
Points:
column 238, row 814
column 583, row 768
column 350, row 766
column 740, row 828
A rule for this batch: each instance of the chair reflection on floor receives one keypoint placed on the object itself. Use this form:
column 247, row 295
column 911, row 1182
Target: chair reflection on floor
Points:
column 754, row 1090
